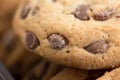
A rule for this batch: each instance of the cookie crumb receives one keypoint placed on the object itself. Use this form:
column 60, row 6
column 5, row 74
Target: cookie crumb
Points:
column 97, row 47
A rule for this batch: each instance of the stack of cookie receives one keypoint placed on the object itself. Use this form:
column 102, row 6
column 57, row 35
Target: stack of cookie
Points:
column 61, row 39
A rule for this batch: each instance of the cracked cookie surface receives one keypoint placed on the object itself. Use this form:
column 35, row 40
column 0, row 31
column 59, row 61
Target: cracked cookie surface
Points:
column 77, row 33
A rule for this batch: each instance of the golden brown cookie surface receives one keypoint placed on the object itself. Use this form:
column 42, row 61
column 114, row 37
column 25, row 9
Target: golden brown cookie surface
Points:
column 77, row 33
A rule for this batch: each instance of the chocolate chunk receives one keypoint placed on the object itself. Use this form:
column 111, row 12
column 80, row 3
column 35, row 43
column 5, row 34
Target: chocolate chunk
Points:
column 97, row 47
column 117, row 16
column 81, row 12
column 102, row 16
column 31, row 41
column 25, row 11
column 57, row 41
column 35, row 11
column 54, row 0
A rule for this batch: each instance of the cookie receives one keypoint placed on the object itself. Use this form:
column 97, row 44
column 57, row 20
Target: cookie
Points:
column 28, row 61
column 8, row 41
column 71, row 74
column 112, row 75
column 78, row 33
column 8, row 7
column 52, row 70
column 12, row 48
column 7, row 13
column 77, row 74
column 44, row 70
column 22, row 66
column 15, row 57
column 5, row 23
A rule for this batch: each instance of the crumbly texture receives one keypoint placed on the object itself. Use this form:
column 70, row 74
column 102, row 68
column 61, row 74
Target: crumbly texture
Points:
column 113, row 75
column 77, row 33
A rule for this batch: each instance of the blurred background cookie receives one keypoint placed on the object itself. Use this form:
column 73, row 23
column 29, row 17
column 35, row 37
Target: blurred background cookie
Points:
column 112, row 75
column 7, row 7
column 44, row 70
column 77, row 74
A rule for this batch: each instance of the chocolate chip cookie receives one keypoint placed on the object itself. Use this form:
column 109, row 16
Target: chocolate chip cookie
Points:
column 77, row 33
column 44, row 70
column 77, row 74
column 71, row 74
column 113, row 75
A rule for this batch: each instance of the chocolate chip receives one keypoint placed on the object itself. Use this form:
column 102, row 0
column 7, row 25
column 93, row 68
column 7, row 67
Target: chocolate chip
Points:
column 25, row 11
column 102, row 16
column 81, row 12
column 57, row 41
column 35, row 11
column 31, row 41
column 68, row 51
column 97, row 47
column 117, row 16
column 54, row 0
